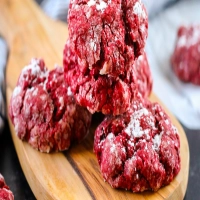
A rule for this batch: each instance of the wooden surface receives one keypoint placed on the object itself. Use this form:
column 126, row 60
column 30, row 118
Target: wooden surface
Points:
column 73, row 174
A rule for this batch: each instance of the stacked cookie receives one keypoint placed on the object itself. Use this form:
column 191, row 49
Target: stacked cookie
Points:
column 105, row 38
column 108, row 72
column 185, row 59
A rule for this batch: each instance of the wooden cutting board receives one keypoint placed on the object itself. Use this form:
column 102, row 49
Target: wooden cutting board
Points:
column 73, row 174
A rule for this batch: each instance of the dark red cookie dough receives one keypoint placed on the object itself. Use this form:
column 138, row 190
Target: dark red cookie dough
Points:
column 139, row 150
column 43, row 109
column 107, row 34
column 5, row 193
column 105, row 93
column 186, row 56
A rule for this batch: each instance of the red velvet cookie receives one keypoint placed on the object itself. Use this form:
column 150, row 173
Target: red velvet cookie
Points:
column 105, row 93
column 5, row 193
column 138, row 150
column 107, row 35
column 144, row 79
column 186, row 56
column 43, row 109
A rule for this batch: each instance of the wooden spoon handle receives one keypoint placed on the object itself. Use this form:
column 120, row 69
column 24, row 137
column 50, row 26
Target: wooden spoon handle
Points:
column 22, row 21
column 17, row 17
column 30, row 33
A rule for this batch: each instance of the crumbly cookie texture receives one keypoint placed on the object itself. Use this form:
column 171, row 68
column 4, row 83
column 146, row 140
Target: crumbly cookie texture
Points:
column 185, row 59
column 106, row 93
column 139, row 150
column 43, row 109
column 107, row 35
column 5, row 193
column 144, row 79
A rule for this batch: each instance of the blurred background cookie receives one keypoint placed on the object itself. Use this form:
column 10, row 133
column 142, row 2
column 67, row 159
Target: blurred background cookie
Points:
column 186, row 56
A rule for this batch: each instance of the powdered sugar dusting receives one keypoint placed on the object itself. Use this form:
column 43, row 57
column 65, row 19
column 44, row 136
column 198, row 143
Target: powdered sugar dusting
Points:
column 190, row 40
column 195, row 37
column 110, row 136
column 134, row 128
column 143, row 28
column 91, row 3
column 157, row 141
column 175, row 130
column 35, row 92
column 33, row 66
column 61, row 101
column 93, row 45
column 113, row 148
column 167, row 121
column 101, row 5
column 45, row 82
column 131, row 143
column 139, row 10
column 35, row 70
column 69, row 92
column 181, row 41
column 17, row 91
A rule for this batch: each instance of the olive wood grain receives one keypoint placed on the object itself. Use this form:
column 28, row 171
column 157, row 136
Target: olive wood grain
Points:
column 73, row 174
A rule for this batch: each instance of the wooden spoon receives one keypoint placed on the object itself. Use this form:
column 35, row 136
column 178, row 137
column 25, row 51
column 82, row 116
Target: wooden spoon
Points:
column 73, row 174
